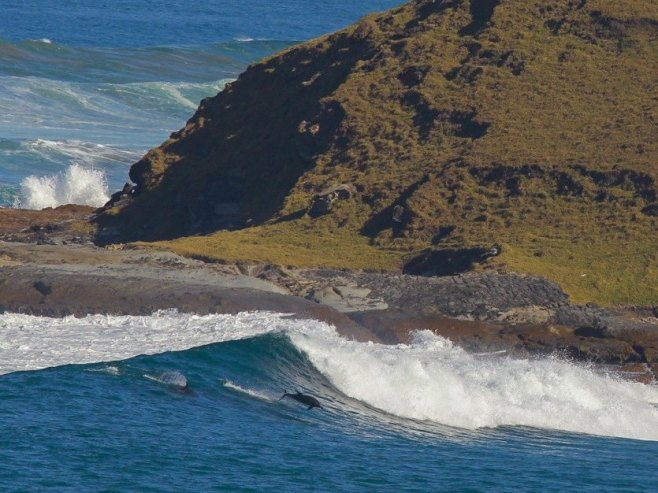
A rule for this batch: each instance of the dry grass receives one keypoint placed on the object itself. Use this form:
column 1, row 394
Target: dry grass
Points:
column 286, row 245
column 416, row 108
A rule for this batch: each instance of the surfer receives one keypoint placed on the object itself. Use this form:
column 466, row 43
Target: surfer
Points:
column 309, row 400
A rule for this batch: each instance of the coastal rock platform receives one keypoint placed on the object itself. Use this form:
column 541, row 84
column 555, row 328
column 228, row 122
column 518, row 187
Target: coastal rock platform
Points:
column 518, row 316
column 50, row 267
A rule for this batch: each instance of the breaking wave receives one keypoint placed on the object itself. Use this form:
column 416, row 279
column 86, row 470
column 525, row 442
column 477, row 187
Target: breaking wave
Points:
column 430, row 381
column 75, row 185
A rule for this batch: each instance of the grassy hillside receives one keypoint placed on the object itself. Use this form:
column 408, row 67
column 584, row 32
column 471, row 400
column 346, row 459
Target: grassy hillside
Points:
column 440, row 125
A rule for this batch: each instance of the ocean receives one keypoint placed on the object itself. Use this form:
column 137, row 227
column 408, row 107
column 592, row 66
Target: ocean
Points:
column 184, row 403
column 87, row 87
column 178, row 402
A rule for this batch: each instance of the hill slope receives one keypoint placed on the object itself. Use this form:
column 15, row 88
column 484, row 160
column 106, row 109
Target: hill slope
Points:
column 441, row 126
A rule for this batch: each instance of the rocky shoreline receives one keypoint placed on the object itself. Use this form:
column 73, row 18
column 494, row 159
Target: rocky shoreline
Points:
column 46, row 270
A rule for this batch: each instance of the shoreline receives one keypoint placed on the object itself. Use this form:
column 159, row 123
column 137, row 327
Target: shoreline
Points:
column 47, row 270
column 60, row 280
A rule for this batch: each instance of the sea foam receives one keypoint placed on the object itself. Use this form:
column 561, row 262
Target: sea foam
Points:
column 430, row 379
column 75, row 185
column 433, row 380
column 32, row 343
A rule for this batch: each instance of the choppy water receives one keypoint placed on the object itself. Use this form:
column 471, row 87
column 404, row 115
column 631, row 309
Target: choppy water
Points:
column 134, row 416
column 98, row 83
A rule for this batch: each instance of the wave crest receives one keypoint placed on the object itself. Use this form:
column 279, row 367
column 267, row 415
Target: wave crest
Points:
column 75, row 185
column 434, row 381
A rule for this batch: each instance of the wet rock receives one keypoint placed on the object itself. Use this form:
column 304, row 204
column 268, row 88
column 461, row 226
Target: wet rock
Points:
column 43, row 288
column 639, row 372
column 597, row 332
column 523, row 315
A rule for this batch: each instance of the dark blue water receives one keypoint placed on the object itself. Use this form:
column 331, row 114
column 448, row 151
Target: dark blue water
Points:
column 139, row 23
column 97, row 83
column 111, row 427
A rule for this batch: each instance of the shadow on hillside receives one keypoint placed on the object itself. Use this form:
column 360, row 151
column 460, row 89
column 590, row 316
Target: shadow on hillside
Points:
column 244, row 149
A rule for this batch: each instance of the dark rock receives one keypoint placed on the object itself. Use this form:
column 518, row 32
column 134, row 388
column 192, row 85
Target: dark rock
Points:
column 413, row 76
column 448, row 262
column 42, row 287
column 651, row 210
column 323, row 202
column 591, row 332
column 461, row 296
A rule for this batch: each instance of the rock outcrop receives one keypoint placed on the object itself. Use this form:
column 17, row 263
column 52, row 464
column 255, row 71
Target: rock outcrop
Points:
column 451, row 125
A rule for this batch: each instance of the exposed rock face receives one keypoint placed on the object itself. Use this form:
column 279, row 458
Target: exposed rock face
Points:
column 324, row 201
column 64, row 224
column 448, row 262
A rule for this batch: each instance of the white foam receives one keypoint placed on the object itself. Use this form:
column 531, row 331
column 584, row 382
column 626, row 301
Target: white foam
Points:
column 430, row 379
column 110, row 370
column 433, row 380
column 165, row 97
column 171, row 378
column 75, row 185
column 79, row 151
column 135, row 112
column 251, row 392
column 32, row 343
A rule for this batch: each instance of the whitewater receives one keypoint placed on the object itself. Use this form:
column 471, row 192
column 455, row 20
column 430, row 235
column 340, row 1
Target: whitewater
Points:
column 428, row 380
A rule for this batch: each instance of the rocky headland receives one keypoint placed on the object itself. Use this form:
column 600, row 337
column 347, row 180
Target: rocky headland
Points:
column 482, row 169
column 422, row 138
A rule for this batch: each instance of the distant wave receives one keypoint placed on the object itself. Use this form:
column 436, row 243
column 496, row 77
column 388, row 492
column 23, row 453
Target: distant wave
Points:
column 47, row 108
column 163, row 96
column 99, row 107
column 76, row 185
column 190, row 63
column 47, row 158
column 82, row 152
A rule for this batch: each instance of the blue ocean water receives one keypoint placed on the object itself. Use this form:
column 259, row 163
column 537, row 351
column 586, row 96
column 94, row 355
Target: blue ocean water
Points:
column 420, row 417
column 95, row 84
column 97, row 405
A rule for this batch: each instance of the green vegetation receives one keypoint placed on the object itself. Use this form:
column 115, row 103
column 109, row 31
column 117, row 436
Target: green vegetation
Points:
column 533, row 125
column 287, row 246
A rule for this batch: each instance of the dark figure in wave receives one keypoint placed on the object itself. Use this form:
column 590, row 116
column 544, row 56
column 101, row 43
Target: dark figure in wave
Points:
column 309, row 400
column 174, row 380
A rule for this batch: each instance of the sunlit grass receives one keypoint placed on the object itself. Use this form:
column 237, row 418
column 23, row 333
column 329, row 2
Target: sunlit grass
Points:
column 566, row 89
